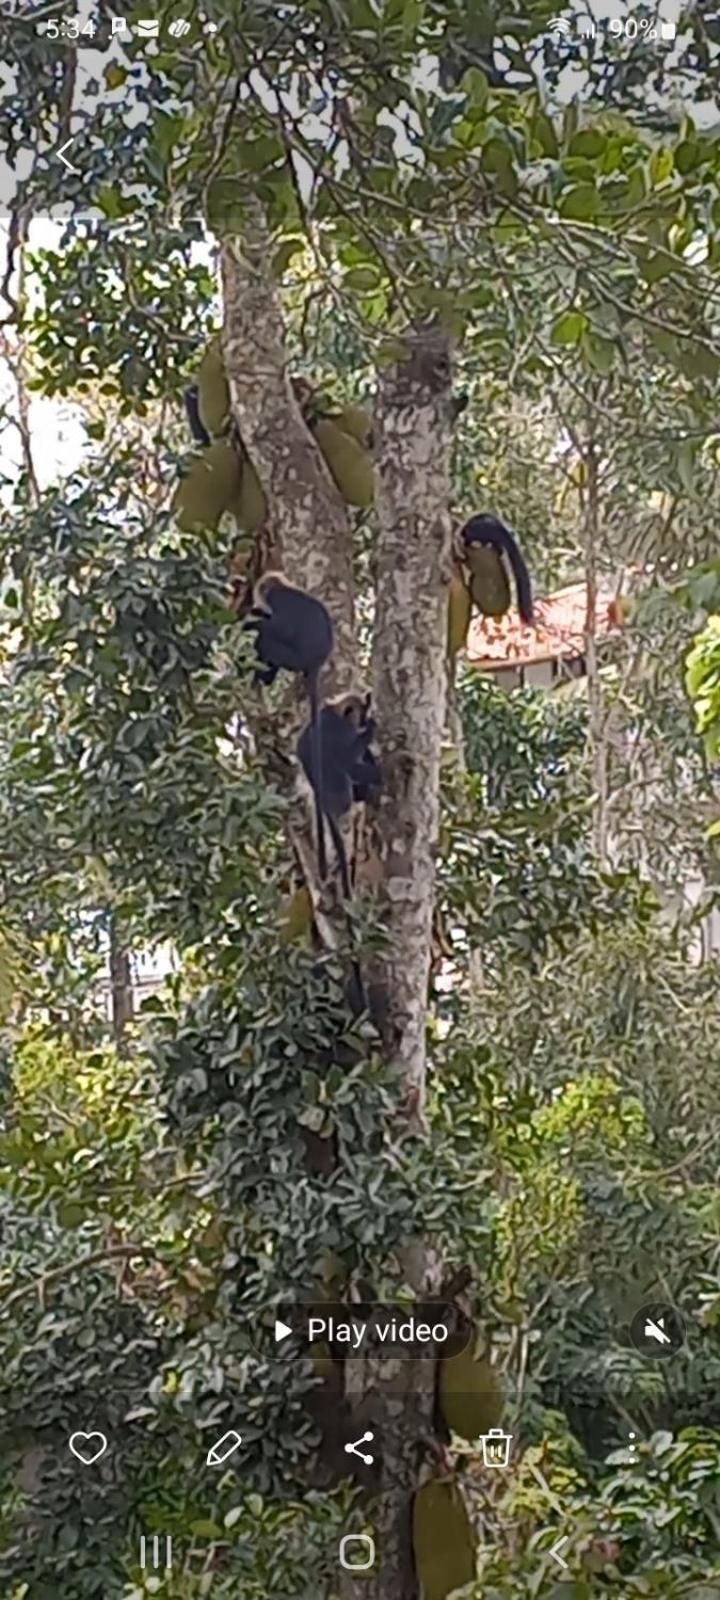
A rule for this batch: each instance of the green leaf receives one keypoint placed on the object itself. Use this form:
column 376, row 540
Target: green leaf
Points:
column 362, row 278
column 544, row 132
column 257, row 154
column 475, row 85
column 687, row 155
column 580, row 203
column 662, row 164
column 588, row 142
column 600, row 353
column 655, row 265
column 497, row 160
column 685, row 463
column 115, row 76
column 569, row 328
column 571, row 117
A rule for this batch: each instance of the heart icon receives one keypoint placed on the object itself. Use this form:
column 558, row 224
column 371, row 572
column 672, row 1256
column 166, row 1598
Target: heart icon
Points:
column 88, row 1447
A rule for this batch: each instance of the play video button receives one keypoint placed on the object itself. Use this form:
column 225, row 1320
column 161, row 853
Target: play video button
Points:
column 282, row 1331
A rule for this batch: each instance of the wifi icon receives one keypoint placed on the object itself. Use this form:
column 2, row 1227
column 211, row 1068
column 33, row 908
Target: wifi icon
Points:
column 560, row 26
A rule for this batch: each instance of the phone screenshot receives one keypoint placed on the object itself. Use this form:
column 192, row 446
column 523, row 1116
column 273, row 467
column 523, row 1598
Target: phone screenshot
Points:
column 359, row 800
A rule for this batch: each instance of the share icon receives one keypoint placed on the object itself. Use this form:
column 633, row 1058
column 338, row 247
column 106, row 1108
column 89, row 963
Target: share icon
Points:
column 354, row 1448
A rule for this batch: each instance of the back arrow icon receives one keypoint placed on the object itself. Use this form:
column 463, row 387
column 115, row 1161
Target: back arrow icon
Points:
column 555, row 1552
column 63, row 158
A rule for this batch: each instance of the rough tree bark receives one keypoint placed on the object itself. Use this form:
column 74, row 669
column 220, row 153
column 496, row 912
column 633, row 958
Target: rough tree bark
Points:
column 413, row 566
column 413, row 430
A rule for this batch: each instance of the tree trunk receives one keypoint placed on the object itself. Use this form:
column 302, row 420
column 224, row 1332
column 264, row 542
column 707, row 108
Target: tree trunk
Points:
column 121, row 987
column 413, row 427
column 309, row 524
column 413, row 565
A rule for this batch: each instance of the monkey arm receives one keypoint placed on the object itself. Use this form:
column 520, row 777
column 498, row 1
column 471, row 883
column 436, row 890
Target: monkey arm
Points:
column 197, row 427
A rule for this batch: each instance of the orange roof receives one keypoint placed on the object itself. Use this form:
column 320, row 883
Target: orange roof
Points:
column 559, row 629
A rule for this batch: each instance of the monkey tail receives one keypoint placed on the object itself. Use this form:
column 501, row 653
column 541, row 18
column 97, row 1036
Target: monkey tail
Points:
column 521, row 575
column 339, row 845
column 317, row 774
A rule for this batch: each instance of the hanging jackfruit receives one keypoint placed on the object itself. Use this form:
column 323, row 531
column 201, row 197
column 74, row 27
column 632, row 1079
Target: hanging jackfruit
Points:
column 444, row 1544
column 489, row 584
column 470, row 1394
column 350, row 465
column 459, row 613
column 297, row 916
column 357, row 422
column 249, row 506
column 213, row 391
column 209, row 487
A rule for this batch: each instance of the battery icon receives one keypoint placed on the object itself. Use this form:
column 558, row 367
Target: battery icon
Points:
column 668, row 30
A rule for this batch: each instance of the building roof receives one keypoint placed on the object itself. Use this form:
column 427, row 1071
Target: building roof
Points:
column 559, row 630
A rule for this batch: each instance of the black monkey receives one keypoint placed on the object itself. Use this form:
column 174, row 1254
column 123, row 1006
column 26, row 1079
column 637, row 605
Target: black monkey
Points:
column 197, row 426
column 349, row 770
column 293, row 632
column 488, row 530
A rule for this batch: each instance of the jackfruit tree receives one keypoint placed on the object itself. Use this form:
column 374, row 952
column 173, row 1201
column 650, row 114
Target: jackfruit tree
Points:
column 334, row 226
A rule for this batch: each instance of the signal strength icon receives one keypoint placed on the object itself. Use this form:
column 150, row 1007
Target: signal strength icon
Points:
column 586, row 28
column 560, row 25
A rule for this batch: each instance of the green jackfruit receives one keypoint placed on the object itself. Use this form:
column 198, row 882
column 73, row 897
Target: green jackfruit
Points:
column 349, row 463
column 208, row 488
column 490, row 584
column 249, row 506
column 470, row 1393
column 213, row 391
column 459, row 613
column 297, row 916
column 357, row 422
column 444, row 1544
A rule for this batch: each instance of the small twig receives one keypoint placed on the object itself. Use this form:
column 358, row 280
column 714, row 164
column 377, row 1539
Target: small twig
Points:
column 116, row 1252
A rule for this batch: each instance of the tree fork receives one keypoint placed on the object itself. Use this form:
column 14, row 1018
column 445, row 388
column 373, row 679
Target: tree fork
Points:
column 309, row 520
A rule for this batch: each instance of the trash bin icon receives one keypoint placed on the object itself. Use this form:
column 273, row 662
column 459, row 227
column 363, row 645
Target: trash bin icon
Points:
column 496, row 1447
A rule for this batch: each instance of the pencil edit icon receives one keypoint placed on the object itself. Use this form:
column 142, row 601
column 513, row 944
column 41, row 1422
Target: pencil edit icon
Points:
column 223, row 1449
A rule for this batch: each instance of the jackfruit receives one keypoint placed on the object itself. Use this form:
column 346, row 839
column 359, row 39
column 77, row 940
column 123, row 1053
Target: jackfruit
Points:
column 208, row 488
column 297, row 916
column 357, row 422
column 459, row 613
column 470, row 1394
column 444, row 1544
column 321, row 1357
column 350, row 465
column 213, row 391
column 490, row 584
column 249, row 506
